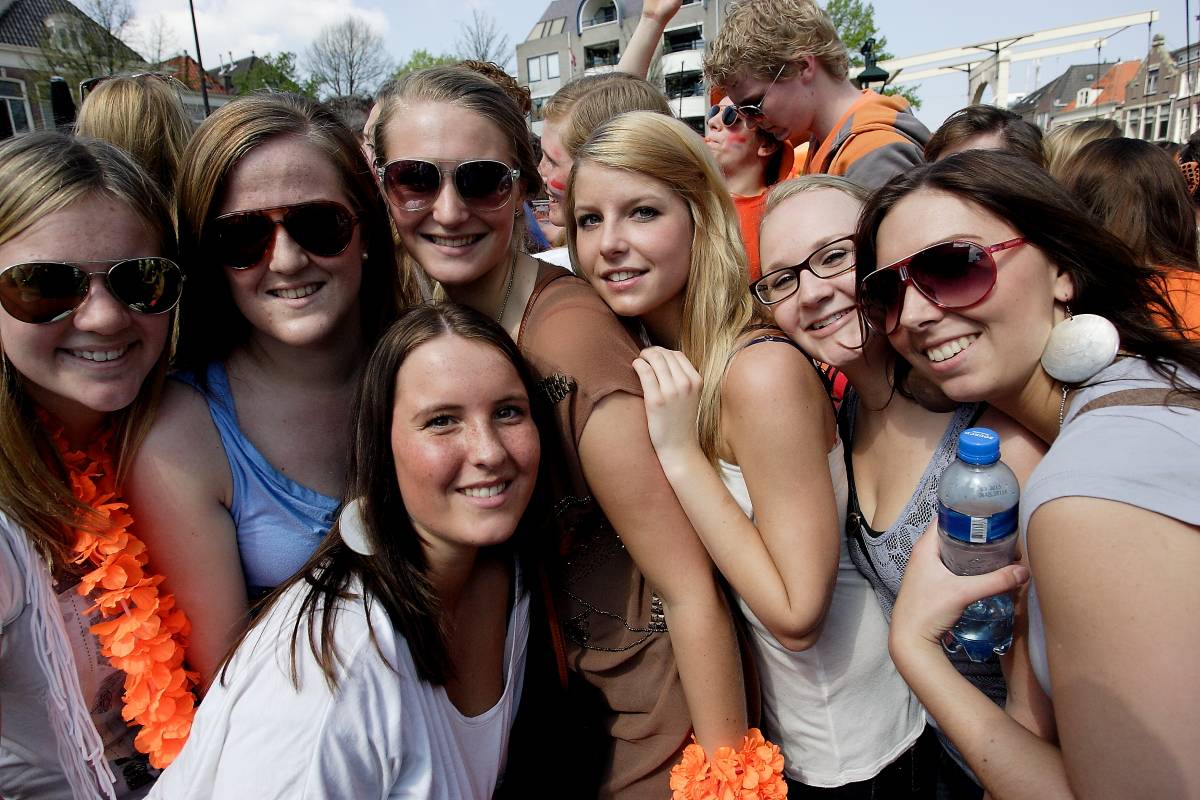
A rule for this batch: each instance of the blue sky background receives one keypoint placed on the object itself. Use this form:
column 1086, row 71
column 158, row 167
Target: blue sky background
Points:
column 911, row 28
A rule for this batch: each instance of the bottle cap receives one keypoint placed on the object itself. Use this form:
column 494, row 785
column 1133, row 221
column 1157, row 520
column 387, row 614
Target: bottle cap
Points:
column 979, row 446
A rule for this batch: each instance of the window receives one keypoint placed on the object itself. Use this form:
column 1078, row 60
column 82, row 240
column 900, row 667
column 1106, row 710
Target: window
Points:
column 552, row 65
column 687, row 84
column 536, row 112
column 1151, row 81
column 1164, row 122
column 539, row 30
column 533, row 69
column 14, row 111
column 601, row 55
column 597, row 14
column 1133, row 123
column 690, row 38
column 1147, row 125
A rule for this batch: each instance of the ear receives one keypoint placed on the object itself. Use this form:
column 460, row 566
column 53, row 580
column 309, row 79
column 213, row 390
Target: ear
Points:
column 1064, row 286
column 767, row 147
column 804, row 69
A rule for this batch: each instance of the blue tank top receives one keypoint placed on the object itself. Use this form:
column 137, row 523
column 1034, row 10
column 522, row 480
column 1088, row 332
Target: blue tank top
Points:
column 279, row 522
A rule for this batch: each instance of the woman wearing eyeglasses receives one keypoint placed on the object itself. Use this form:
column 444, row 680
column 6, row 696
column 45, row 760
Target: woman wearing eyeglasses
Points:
column 292, row 279
column 93, row 694
column 761, row 475
column 645, row 627
column 899, row 434
column 995, row 285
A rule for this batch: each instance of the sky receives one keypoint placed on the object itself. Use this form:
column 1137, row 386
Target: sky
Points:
column 911, row 28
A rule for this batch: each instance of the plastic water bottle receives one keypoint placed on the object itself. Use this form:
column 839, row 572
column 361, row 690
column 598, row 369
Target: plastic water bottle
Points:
column 977, row 531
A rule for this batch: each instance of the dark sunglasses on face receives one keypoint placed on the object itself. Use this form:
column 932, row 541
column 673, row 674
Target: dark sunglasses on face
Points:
column 241, row 239
column 753, row 113
column 951, row 275
column 413, row 184
column 826, row 262
column 41, row 292
column 728, row 115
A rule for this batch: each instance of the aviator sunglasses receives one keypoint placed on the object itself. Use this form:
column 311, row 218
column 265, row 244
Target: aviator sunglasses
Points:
column 41, row 292
column 241, row 239
column 951, row 275
column 828, row 261
column 753, row 113
column 413, row 184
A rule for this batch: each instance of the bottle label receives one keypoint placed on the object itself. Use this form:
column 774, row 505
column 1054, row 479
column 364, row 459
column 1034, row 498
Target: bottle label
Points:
column 977, row 530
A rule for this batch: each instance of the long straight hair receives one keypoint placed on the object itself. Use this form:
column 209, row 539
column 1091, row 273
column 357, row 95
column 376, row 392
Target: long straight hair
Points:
column 44, row 173
column 717, row 307
column 396, row 574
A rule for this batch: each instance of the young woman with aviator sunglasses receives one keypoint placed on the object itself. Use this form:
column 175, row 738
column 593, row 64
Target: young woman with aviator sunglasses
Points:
column 899, row 433
column 974, row 267
column 633, row 589
column 87, row 291
column 289, row 254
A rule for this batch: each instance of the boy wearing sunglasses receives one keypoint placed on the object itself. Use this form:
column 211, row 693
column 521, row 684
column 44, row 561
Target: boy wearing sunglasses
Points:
column 784, row 67
column 751, row 161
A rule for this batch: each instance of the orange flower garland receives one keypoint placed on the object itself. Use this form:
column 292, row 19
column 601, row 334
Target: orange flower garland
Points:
column 753, row 772
column 143, row 634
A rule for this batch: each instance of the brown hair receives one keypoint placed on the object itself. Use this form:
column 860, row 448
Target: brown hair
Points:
column 144, row 116
column 212, row 327
column 495, row 73
column 395, row 575
column 561, row 102
column 758, row 37
column 1062, row 143
column 1108, row 279
column 605, row 101
column 1136, row 191
column 45, row 173
column 1018, row 136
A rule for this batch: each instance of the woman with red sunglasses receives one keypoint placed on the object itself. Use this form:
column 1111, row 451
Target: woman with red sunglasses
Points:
column 899, row 432
column 643, row 624
column 1061, row 329
column 94, row 697
column 292, row 278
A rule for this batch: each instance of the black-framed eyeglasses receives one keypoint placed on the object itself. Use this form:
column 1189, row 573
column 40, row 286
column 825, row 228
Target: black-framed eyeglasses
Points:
column 42, row 292
column 828, row 261
column 753, row 113
column 413, row 184
column 728, row 115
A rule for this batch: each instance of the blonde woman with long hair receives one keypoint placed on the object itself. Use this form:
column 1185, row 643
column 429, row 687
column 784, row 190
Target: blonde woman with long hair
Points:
column 761, row 475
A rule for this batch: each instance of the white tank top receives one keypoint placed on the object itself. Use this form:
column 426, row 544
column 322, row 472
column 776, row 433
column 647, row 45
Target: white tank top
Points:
column 839, row 710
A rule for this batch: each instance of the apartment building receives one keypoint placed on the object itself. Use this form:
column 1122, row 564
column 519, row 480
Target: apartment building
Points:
column 586, row 37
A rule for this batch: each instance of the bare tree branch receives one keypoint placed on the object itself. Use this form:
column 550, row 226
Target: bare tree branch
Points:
column 76, row 46
column 482, row 40
column 347, row 58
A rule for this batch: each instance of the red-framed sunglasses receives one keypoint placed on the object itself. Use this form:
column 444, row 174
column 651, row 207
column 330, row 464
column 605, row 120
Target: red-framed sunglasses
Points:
column 951, row 275
column 241, row 239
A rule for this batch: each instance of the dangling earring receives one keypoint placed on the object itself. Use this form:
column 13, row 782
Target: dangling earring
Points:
column 353, row 529
column 1079, row 347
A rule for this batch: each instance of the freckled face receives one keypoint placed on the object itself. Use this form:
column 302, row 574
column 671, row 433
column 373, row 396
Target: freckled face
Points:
column 465, row 446
column 633, row 238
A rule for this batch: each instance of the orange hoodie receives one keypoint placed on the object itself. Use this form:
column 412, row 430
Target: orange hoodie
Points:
column 878, row 137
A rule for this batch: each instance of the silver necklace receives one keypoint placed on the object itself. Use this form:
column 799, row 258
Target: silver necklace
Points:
column 512, row 271
column 1062, row 407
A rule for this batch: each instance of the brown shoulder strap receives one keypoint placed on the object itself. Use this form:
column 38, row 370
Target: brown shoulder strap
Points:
column 547, row 274
column 1144, row 397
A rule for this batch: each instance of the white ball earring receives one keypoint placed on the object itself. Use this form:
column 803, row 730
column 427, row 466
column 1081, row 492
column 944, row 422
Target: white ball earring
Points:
column 353, row 529
column 1079, row 347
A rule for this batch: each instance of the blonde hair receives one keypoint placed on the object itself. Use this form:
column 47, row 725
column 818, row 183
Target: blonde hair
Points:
column 45, row 173
column 606, row 101
column 758, row 37
column 1061, row 144
column 717, row 307
column 143, row 116
column 562, row 101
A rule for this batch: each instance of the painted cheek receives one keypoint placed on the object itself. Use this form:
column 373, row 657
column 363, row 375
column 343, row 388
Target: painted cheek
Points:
column 557, row 185
column 736, row 138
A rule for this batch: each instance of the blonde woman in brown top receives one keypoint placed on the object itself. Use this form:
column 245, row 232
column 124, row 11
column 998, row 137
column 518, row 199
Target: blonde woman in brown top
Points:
column 635, row 593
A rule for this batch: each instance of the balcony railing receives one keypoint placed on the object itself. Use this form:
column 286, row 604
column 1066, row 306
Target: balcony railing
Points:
column 606, row 15
column 693, row 90
column 682, row 47
column 600, row 61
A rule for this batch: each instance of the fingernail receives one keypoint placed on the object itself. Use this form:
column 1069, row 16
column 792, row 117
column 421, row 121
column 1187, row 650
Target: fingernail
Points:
column 1021, row 573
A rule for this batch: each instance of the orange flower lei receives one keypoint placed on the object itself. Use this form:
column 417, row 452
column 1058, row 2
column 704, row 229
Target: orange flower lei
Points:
column 143, row 634
column 755, row 771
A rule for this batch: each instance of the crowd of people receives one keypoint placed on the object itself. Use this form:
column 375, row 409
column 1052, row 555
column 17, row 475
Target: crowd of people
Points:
column 433, row 459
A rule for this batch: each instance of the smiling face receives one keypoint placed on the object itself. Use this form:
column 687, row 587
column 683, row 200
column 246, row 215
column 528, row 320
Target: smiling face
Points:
column 820, row 316
column 454, row 243
column 291, row 295
column 555, row 168
column 465, row 445
column 989, row 351
column 633, row 239
column 94, row 361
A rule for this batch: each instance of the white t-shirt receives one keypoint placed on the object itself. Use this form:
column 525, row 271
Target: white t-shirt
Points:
column 31, row 765
column 839, row 711
column 384, row 733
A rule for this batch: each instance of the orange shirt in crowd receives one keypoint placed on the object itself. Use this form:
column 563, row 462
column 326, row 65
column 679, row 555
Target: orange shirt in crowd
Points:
column 1183, row 290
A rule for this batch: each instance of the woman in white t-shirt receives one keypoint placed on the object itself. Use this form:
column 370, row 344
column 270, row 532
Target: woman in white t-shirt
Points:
column 994, row 283
column 93, row 697
column 391, row 664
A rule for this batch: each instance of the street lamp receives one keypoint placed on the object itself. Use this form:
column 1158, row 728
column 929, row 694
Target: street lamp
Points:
column 871, row 73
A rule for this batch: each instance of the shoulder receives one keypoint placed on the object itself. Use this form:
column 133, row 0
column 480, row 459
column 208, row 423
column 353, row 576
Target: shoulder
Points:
column 769, row 372
column 183, row 435
column 1020, row 449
